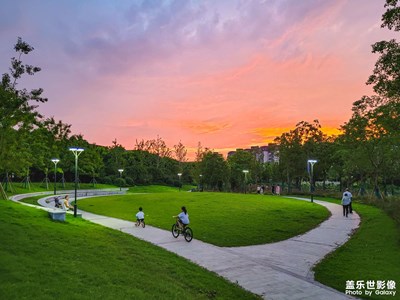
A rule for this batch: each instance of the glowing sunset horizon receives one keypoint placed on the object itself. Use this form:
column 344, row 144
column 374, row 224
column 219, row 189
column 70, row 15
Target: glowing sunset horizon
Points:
column 228, row 74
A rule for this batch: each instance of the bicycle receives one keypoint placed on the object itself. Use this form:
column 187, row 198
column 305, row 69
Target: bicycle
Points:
column 140, row 223
column 186, row 231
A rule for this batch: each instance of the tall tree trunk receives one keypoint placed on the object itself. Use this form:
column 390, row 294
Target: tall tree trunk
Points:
column 376, row 188
column 362, row 186
column 288, row 182
column 2, row 192
column 392, row 187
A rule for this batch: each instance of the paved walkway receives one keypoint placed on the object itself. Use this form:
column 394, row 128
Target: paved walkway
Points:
column 280, row 270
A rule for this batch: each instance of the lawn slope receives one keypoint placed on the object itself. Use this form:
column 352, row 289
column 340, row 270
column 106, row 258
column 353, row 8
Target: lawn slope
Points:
column 222, row 219
column 372, row 253
column 43, row 259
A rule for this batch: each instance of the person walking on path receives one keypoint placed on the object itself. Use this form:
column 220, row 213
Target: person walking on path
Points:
column 278, row 190
column 346, row 201
column 346, row 191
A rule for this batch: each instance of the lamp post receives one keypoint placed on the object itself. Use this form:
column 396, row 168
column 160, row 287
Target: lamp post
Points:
column 245, row 180
column 55, row 161
column 180, row 175
column 311, row 162
column 201, row 183
column 76, row 151
column 120, row 176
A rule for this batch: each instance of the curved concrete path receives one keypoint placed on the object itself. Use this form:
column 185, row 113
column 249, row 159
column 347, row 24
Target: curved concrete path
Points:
column 280, row 270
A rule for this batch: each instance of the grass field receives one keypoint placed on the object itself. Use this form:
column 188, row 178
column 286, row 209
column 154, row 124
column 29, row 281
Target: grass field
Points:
column 373, row 252
column 32, row 200
column 158, row 189
column 218, row 218
column 43, row 259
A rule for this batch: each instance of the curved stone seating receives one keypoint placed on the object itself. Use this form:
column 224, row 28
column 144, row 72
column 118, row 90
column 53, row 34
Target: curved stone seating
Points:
column 59, row 214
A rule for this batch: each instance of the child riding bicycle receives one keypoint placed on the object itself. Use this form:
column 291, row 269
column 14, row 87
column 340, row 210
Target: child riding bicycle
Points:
column 183, row 218
column 140, row 216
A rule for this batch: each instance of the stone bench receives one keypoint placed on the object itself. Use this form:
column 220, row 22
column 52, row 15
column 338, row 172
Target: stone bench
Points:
column 57, row 214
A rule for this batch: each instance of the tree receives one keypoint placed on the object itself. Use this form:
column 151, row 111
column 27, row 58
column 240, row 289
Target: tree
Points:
column 114, row 159
column 17, row 69
column 371, row 136
column 386, row 74
column 391, row 18
column 242, row 160
column 18, row 117
column 370, row 139
column 196, row 171
column 214, row 170
column 180, row 152
column 296, row 147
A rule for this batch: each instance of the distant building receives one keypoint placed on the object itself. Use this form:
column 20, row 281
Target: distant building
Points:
column 263, row 154
column 270, row 153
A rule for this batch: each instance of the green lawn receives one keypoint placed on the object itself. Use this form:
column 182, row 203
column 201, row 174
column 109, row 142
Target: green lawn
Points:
column 373, row 252
column 218, row 218
column 33, row 200
column 43, row 259
column 158, row 189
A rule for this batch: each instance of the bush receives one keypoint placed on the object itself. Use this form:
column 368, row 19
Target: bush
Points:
column 129, row 181
column 390, row 205
column 120, row 182
column 107, row 180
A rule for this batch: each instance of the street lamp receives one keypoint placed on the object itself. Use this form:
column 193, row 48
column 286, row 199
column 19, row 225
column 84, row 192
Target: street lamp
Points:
column 55, row 161
column 201, row 183
column 120, row 176
column 245, row 180
column 311, row 163
column 77, row 152
column 179, row 175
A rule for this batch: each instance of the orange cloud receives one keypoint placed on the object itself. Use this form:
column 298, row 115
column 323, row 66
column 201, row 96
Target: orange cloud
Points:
column 330, row 131
column 205, row 127
column 269, row 134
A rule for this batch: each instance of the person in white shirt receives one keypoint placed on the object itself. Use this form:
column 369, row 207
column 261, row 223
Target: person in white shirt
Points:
column 140, row 215
column 65, row 205
column 346, row 200
column 183, row 217
column 346, row 191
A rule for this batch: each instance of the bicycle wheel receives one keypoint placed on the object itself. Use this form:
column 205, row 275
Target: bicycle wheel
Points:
column 143, row 224
column 175, row 231
column 188, row 233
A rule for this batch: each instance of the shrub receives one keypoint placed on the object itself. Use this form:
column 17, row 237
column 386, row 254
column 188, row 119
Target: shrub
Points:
column 120, row 182
column 107, row 180
column 391, row 205
column 129, row 181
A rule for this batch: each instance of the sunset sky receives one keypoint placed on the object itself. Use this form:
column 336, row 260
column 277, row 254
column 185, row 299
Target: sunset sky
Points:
column 227, row 73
